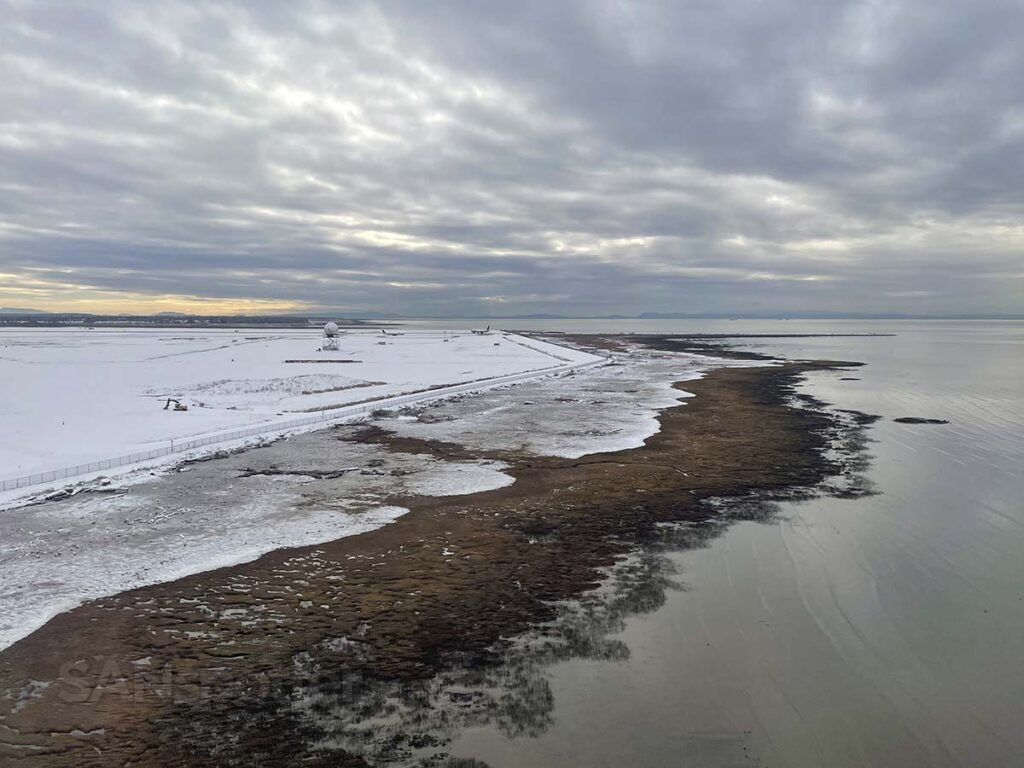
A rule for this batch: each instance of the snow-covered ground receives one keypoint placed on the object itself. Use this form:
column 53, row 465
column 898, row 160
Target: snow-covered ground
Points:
column 319, row 486
column 70, row 396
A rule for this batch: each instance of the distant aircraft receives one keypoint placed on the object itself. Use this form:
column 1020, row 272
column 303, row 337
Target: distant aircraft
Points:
column 391, row 334
column 478, row 332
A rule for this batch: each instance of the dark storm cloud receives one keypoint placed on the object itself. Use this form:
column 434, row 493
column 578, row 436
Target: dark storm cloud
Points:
column 587, row 157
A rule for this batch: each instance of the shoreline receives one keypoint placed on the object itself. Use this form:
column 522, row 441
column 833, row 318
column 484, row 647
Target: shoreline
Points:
column 454, row 577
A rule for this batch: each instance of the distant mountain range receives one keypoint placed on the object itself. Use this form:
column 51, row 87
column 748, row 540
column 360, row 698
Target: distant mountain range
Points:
column 20, row 311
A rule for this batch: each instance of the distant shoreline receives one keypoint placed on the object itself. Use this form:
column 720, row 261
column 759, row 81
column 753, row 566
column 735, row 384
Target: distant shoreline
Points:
column 38, row 319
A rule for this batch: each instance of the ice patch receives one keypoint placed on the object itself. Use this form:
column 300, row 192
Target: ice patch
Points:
column 452, row 479
column 609, row 408
column 311, row 489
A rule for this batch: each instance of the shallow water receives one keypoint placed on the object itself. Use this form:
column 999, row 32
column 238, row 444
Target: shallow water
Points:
column 884, row 630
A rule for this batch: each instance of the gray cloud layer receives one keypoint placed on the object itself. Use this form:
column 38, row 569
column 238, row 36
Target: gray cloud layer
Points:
column 590, row 157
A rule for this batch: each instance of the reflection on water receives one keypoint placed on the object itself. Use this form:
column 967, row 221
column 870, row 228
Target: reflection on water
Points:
column 414, row 723
column 881, row 630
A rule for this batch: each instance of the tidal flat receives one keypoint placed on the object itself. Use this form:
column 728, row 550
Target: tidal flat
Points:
column 301, row 654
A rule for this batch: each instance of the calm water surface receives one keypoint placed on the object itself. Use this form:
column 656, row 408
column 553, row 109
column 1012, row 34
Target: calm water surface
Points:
column 880, row 631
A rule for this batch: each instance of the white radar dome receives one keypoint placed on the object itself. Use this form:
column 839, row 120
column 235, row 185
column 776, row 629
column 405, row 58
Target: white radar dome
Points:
column 331, row 330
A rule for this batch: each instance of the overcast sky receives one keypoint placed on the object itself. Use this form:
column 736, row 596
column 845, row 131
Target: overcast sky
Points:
column 509, row 157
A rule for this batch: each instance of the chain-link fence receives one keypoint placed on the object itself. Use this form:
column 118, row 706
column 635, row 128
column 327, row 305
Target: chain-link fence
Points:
column 336, row 414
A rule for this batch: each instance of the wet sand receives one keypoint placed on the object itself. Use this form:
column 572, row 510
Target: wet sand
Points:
column 207, row 670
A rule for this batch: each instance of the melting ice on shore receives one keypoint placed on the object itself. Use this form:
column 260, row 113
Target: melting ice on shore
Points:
column 611, row 408
column 314, row 488
column 311, row 488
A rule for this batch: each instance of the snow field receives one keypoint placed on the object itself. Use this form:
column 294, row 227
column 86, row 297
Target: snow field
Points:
column 73, row 396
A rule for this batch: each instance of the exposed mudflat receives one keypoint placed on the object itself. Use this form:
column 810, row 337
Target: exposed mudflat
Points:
column 232, row 667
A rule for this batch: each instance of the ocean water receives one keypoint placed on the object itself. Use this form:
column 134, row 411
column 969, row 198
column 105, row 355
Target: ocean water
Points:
column 886, row 630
